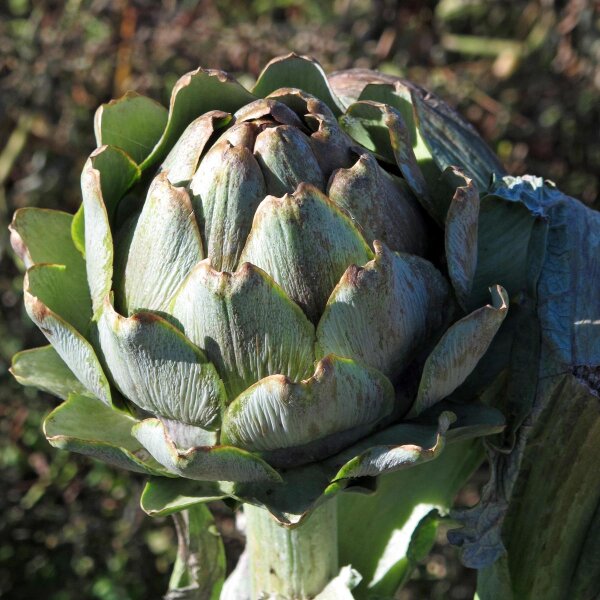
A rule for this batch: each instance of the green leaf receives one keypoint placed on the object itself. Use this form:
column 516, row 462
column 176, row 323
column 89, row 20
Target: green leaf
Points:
column 199, row 570
column 459, row 350
column 399, row 98
column 164, row 496
column 423, row 537
column 70, row 345
column 381, row 129
column 194, row 94
column 473, row 419
column 293, row 423
column 107, row 175
column 550, row 529
column 293, row 71
column 132, row 123
column 205, row 463
column 44, row 369
column 86, row 425
column 291, row 499
column 246, row 324
column 382, row 313
column 39, row 235
column 375, row 531
column 159, row 369
column 460, row 237
column 510, row 249
column 301, row 234
column 62, row 291
column 227, row 189
column 392, row 449
column 452, row 140
column 165, row 246
column 78, row 230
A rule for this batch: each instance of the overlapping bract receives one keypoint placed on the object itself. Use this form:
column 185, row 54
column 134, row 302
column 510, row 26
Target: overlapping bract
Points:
column 293, row 283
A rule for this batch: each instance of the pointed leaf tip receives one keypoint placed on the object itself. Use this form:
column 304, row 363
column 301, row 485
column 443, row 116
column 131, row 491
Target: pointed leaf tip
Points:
column 459, row 350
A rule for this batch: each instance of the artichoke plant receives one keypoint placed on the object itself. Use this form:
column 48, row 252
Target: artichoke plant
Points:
column 268, row 297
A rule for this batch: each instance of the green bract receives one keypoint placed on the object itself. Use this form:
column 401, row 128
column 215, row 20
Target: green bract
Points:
column 267, row 293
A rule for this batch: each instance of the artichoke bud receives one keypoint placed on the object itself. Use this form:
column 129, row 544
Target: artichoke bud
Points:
column 382, row 204
column 271, row 295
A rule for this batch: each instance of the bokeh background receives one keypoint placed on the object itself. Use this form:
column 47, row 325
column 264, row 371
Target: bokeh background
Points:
column 526, row 73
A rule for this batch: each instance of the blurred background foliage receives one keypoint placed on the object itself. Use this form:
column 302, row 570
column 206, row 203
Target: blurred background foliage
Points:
column 525, row 72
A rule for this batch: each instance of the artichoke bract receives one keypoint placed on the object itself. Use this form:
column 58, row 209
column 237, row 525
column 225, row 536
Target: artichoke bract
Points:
column 267, row 293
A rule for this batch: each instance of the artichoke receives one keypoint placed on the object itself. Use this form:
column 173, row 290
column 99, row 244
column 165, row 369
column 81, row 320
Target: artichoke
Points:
column 272, row 295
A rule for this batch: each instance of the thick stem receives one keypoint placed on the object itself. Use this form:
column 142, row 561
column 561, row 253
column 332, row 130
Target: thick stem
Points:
column 291, row 564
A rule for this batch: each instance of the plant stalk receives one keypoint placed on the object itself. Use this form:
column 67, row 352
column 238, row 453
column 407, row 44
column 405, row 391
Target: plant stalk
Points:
column 291, row 564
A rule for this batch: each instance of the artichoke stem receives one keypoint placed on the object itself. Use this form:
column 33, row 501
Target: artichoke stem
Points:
column 291, row 564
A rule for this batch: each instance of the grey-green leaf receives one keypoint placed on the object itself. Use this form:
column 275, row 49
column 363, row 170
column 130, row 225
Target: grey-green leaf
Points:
column 181, row 163
column 85, row 425
column 77, row 353
column 106, row 176
column 159, row 369
column 382, row 313
column 166, row 245
column 247, row 325
column 459, row 350
column 287, row 160
column 382, row 205
column 300, row 235
column 293, row 423
column 44, row 369
column 205, row 463
column 227, row 187
column 164, row 496
column 460, row 237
